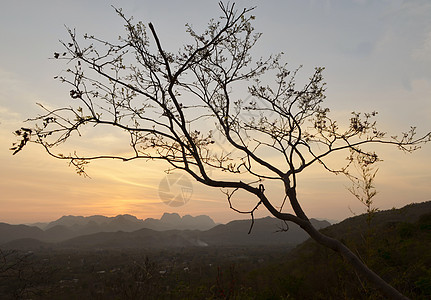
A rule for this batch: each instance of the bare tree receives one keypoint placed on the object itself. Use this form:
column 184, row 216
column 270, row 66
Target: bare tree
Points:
column 185, row 108
column 21, row 277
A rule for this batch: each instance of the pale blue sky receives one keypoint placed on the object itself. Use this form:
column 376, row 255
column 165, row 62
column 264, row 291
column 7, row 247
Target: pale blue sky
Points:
column 377, row 56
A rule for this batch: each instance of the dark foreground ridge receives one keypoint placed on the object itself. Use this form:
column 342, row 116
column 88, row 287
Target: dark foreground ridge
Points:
column 223, row 262
column 395, row 244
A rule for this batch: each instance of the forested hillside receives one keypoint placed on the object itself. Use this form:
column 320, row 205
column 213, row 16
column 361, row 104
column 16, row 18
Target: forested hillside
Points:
column 395, row 244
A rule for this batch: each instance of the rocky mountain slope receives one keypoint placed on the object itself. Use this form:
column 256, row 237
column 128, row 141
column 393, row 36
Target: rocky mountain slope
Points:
column 127, row 231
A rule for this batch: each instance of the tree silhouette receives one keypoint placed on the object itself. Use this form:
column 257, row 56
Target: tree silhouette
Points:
column 186, row 109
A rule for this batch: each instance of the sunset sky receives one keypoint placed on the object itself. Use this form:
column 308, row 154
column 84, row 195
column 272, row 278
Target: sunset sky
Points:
column 377, row 56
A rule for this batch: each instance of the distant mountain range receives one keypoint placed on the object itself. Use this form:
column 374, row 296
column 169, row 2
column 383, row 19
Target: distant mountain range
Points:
column 127, row 222
column 126, row 231
column 172, row 230
column 72, row 226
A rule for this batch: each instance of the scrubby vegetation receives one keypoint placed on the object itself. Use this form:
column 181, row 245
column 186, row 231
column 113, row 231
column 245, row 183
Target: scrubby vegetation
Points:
column 188, row 273
column 395, row 244
column 398, row 251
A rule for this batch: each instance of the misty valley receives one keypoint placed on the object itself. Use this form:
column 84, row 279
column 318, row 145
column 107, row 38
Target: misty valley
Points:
column 193, row 258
